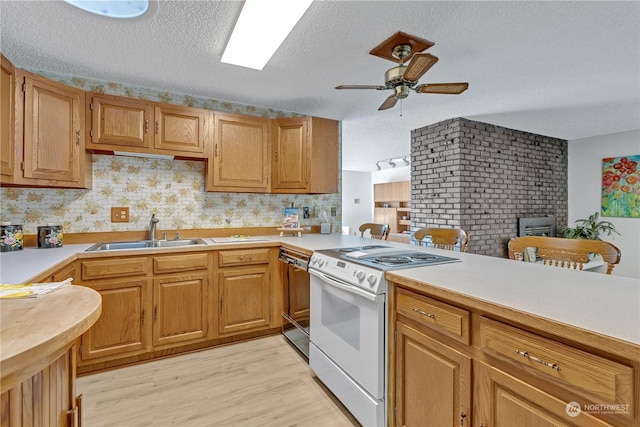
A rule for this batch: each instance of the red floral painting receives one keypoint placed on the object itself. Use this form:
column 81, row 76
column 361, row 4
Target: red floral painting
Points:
column 621, row 186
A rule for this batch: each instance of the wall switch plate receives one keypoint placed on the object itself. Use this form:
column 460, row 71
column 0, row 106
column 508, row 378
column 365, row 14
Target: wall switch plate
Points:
column 305, row 213
column 119, row 214
column 333, row 211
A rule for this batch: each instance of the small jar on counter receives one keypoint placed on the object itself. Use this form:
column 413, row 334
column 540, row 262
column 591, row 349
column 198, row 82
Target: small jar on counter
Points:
column 49, row 236
column 10, row 237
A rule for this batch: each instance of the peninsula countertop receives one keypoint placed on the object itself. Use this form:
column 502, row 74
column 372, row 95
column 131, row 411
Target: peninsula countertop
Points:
column 35, row 331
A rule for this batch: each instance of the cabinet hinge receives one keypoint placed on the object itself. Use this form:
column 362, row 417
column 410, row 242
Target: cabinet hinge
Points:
column 395, row 336
column 80, row 350
column 22, row 166
column 24, row 87
column 91, row 106
column 91, row 133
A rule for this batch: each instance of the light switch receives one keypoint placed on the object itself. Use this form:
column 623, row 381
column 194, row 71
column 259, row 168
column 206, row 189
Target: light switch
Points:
column 119, row 214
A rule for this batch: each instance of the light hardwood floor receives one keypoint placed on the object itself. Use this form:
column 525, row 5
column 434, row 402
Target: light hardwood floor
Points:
column 263, row 382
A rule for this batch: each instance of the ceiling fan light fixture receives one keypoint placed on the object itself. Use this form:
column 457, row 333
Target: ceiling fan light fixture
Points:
column 260, row 30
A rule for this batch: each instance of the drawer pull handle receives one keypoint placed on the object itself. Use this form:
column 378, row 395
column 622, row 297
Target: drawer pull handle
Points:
column 535, row 359
column 424, row 313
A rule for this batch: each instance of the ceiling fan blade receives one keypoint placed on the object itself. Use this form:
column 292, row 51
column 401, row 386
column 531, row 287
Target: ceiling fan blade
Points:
column 390, row 102
column 360, row 87
column 420, row 64
column 443, row 88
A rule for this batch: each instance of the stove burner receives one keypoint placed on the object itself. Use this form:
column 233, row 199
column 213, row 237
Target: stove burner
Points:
column 395, row 260
column 423, row 256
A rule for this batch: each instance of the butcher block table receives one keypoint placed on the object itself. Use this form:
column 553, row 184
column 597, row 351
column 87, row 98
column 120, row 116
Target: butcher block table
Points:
column 38, row 355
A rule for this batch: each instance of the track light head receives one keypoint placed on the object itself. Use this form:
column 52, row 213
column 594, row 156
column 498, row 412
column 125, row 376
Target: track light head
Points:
column 378, row 165
column 392, row 163
column 406, row 161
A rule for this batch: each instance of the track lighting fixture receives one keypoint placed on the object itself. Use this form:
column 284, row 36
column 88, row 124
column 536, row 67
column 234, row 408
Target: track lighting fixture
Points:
column 393, row 162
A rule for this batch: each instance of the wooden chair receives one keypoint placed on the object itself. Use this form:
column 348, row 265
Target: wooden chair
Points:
column 443, row 238
column 377, row 231
column 569, row 253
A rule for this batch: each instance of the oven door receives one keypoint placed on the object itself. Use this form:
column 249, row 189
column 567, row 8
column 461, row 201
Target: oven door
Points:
column 348, row 326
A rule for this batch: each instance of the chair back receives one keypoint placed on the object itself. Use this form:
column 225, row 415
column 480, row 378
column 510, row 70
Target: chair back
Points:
column 377, row 231
column 443, row 238
column 568, row 253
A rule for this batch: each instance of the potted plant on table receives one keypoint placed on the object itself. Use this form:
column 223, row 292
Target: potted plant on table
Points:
column 589, row 228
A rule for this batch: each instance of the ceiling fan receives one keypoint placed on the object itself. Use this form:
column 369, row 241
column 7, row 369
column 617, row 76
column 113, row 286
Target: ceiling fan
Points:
column 402, row 47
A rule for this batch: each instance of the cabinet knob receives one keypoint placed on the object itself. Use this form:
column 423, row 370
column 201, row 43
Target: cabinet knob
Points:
column 146, row 125
column 77, row 137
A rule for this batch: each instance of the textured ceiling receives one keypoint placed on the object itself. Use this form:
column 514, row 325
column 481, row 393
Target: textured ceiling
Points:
column 563, row 69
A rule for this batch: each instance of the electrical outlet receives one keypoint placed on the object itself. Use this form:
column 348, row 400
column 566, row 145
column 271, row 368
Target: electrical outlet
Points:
column 305, row 213
column 333, row 211
column 119, row 214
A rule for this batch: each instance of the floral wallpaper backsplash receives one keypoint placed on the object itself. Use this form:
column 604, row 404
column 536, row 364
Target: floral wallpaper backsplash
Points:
column 172, row 189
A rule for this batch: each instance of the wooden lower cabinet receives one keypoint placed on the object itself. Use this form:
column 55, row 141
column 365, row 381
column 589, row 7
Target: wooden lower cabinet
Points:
column 46, row 399
column 433, row 381
column 124, row 327
column 502, row 400
column 180, row 309
column 244, row 298
column 462, row 364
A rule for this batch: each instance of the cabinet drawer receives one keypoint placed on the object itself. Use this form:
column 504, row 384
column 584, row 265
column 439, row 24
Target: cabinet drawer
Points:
column 437, row 315
column 595, row 377
column 185, row 262
column 243, row 257
column 113, row 267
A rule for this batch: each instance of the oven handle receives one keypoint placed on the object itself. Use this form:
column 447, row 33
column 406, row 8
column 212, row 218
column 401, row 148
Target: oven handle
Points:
column 346, row 287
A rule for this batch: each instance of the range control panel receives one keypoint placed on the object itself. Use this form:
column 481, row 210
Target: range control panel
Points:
column 361, row 276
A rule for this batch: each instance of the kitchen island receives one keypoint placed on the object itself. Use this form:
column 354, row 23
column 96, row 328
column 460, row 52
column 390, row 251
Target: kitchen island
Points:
column 37, row 354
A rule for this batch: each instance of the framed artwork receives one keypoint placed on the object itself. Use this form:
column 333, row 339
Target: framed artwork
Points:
column 621, row 186
column 290, row 219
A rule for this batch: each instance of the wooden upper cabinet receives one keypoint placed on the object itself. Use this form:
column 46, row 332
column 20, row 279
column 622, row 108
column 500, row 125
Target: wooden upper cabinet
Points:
column 118, row 121
column 305, row 155
column 181, row 129
column 49, row 135
column 290, row 157
column 7, row 117
column 240, row 160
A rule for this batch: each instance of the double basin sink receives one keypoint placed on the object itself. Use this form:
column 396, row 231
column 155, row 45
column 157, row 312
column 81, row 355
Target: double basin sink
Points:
column 142, row 244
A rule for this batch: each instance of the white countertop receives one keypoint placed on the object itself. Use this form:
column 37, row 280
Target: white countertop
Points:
column 605, row 304
column 608, row 305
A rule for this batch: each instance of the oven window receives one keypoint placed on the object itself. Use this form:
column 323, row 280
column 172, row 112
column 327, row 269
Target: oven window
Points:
column 341, row 318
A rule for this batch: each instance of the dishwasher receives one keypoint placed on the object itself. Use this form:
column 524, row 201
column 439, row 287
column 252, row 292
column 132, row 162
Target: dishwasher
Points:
column 295, row 313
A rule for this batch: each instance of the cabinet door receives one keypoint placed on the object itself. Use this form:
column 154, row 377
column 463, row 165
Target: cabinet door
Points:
column 240, row 155
column 386, row 216
column 7, row 117
column 119, row 121
column 53, row 137
column 290, row 164
column 124, row 327
column 181, row 129
column 501, row 400
column 244, row 299
column 433, row 382
column 180, row 309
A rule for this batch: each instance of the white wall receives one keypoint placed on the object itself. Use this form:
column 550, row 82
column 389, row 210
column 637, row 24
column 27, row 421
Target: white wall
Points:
column 585, row 186
column 391, row 175
column 356, row 185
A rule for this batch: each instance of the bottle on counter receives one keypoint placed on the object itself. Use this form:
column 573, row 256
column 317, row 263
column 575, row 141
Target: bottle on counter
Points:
column 10, row 237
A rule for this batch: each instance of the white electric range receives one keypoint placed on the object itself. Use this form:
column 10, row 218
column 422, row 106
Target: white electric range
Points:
column 348, row 328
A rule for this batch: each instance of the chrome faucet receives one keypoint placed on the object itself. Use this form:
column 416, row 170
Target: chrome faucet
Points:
column 152, row 227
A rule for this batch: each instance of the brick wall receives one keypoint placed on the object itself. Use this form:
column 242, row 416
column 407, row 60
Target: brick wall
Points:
column 483, row 177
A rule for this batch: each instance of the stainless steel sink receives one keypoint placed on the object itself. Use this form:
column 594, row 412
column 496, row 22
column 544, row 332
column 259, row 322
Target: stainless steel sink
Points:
column 143, row 244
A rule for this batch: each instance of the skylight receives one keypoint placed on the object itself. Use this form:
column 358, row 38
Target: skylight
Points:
column 113, row 8
column 260, row 30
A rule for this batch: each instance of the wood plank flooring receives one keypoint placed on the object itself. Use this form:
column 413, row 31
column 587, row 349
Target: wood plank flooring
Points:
column 263, row 382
